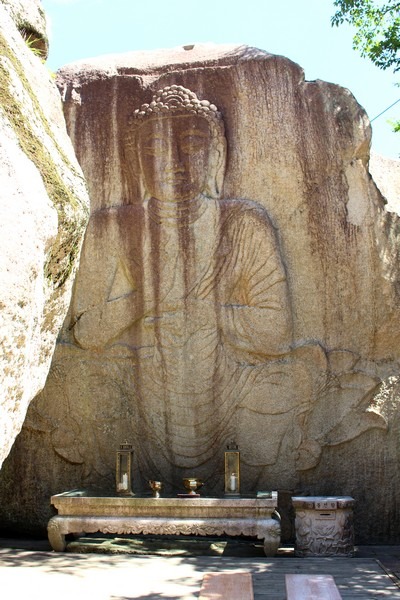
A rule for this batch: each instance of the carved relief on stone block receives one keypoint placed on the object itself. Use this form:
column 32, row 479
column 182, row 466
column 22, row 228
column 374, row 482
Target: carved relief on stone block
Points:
column 267, row 529
column 322, row 531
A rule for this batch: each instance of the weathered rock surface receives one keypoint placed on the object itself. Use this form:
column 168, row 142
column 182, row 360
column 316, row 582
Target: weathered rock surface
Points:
column 386, row 174
column 239, row 280
column 30, row 20
column 43, row 206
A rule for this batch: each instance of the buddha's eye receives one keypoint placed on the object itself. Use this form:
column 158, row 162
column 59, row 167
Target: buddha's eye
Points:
column 155, row 146
column 193, row 142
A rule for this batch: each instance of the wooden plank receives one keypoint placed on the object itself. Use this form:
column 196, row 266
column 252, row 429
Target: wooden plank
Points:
column 356, row 578
column 219, row 586
column 311, row 587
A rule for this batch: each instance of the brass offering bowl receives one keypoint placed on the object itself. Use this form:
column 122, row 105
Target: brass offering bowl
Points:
column 156, row 486
column 192, row 484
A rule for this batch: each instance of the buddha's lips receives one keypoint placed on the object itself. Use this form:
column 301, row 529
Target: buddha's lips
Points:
column 175, row 178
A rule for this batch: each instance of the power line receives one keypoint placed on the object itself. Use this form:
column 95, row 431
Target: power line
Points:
column 386, row 109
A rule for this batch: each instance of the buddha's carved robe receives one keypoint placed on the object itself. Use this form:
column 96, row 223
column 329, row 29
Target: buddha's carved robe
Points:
column 199, row 297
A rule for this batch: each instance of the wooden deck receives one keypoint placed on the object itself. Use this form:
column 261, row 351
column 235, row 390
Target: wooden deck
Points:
column 105, row 576
column 355, row 578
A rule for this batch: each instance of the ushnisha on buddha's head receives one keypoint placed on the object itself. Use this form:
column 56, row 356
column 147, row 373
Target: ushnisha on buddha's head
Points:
column 180, row 146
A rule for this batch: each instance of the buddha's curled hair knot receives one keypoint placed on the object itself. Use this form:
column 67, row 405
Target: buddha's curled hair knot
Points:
column 177, row 99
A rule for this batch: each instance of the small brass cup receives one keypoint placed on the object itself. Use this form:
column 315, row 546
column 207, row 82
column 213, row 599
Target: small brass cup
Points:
column 156, row 486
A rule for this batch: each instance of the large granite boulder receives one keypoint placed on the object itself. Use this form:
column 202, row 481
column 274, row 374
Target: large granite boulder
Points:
column 239, row 281
column 43, row 213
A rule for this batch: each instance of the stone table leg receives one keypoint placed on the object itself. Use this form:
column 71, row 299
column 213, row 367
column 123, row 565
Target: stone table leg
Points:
column 270, row 531
column 55, row 535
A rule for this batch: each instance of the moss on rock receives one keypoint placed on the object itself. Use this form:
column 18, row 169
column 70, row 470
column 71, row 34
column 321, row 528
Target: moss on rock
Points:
column 62, row 256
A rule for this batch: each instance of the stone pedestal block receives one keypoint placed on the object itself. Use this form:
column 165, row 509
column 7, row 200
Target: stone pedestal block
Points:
column 324, row 525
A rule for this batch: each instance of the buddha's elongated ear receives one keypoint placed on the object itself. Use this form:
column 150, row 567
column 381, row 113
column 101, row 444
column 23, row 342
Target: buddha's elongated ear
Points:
column 220, row 152
column 217, row 163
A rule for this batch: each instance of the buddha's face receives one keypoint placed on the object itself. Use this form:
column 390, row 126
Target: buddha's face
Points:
column 174, row 156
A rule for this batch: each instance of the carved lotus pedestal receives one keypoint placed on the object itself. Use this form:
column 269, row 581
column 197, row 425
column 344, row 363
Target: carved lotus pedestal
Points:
column 324, row 525
column 79, row 512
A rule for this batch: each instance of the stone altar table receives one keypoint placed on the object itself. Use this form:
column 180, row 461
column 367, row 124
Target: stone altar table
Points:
column 80, row 512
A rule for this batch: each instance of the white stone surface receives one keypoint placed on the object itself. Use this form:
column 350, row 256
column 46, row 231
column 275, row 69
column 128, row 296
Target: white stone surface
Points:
column 39, row 241
column 27, row 12
column 386, row 174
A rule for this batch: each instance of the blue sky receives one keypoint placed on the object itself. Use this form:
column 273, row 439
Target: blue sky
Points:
column 300, row 30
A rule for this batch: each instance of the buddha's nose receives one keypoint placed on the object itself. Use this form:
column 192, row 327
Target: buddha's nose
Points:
column 175, row 163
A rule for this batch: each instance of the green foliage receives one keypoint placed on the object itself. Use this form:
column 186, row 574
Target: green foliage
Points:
column 35, row 43
column 31, row 41
column 377, row 34
column 378, row 29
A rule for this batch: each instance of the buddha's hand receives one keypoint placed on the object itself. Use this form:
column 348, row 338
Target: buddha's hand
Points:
column 99, row 325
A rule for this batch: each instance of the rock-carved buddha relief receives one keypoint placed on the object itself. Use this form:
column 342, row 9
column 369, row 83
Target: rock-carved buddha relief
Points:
column 195, row 286
column 181, row 320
